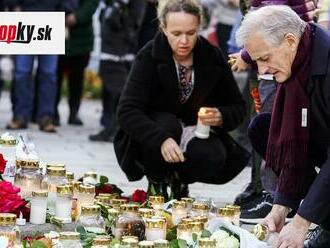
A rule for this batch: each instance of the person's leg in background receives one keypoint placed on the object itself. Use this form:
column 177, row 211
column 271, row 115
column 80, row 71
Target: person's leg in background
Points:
column 47, row 69
column 23, row 92
column 77, row 66
column 61, row 69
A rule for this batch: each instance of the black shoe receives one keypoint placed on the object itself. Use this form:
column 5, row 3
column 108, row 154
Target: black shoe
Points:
column 259, row 209
column 178, row 188
column 104, row 135
column 75, row 120
column 318, row 238
column 249, row 194
column 157, row 188
column 17, row 123
column 46, row 125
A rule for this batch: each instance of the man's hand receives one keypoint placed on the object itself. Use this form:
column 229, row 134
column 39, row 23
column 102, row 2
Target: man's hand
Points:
column 239, row 65
column 293, row 234
column 275, row 220
column 171, row 152
column 211, row 117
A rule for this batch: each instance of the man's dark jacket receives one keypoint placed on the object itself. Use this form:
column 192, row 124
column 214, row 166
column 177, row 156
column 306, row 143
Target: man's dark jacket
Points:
column 152, row 86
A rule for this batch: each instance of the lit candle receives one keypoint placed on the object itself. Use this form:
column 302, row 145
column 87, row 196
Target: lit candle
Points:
column 202, row 131
column 157, row 203
column 237, row 210
column 155, row 229
column 200, row 209
column 179, row 211
column 38, row 207
column 184, row 232
column 63, row 205
column 226, row 214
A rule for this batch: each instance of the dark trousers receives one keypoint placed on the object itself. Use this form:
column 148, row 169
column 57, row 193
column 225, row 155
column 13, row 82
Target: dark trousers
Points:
column 205, row 158
column 74, row 67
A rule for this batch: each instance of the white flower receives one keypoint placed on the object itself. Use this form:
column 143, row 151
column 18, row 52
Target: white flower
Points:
column 230, row 242
column 219, row 235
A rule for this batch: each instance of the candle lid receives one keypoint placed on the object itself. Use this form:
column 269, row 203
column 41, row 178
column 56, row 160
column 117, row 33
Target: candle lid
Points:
column 203, row 219
column 155, row 223
column 179, row 204
column 8, row 142
column 196, row 226
column 70, row 175
column 226, row 212
column 90, row 209
column 113, row 212
column 75, row 185
column 207, row 242
column 156, row 199
column 110, row 196
column 130, row 237
column 91, row 174
column 56, row 171
column 146, row 244
column 28, row 164
column 200, row 206
column 188, row 200
column 129, row 207
column 118, row 201
column 236, row 208
column 87, row 189
column 70, row 235
column 40, row 193
column 56, row 165
column 130, row 242
column 161, row 243
column 7, row 219
column 146, row 212
column 183, row 226
column 187, row 220
column 102, row 240
column 66, row 189
column 102, row 199
column 260, row 231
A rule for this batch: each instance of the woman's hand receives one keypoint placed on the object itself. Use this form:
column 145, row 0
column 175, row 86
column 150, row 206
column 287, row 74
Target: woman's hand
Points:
column 239, row 64
column 211, row 117
column 275, row 220
column 171, row 152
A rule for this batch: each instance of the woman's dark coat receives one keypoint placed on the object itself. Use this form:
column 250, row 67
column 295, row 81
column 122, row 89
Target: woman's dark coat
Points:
column 152, row 86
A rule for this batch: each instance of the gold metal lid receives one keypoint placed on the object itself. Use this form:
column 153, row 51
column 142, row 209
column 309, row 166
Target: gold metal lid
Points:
column 102, row 199
column 179, row 204
column 236, row 208
column 146, row 244
column 56, row 171
column 130, row 237
column 40, row 193
column 91, row 174
column 161, row 243
column 9, row 142
column 75, row 185
column 132, row 242
column 110, row 196
column 155, row 223
column 87, row 189
column 226, row 212
column 187, row 220
column 55, row 165
column 196, row 226
column 28, row 164
column 203, row 219
column 260, row 231
column 183, row 226
column 66, row 189
column 90, row 209
column 188, row 200
column 129, row 208
column 118, row 201
column 207, row 242
column 158, row 199
column 146, row 212
column 70, row 235
column 102, row 240
column 113, row 212
column 200, row 206
column 70, row 175
column 7, row 219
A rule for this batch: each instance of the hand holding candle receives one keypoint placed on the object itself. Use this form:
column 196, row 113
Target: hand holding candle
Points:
column 210, row 116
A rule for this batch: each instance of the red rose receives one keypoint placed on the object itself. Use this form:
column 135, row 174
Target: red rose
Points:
column 3, row 163
column 10, row 201
column 139, row 196
column 104, row 188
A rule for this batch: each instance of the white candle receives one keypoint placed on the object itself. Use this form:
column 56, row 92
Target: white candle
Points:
column 184, row 232
column 63, row 209
column 38, row 207
column 202, row 131
column 178, row 214
column 155, row 229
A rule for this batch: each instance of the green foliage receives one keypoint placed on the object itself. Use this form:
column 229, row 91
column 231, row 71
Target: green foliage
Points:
column 104, row 180
column 206, row 234
column 38, row 244
column 171, row 234
column 230, row 232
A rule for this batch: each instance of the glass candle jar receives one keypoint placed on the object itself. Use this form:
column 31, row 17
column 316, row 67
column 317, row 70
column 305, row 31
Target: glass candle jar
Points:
column 130, row 242
column 70, row 240
column 63, row 206
column 157, row 202
column 237, row 213
column 38, row 207
column 155, row 229
column 262, row 233
column 101, row 242
column 184, row 232
column 91, row 219
column 161, row 243
column 200, row 209
column 146, row 213
column 203, row 219
column 90, row 178
column 202, row 131
column 55, row 176
column 70, row 176
column 189, row 202
column 28, row 178
column 129, row 222
column 7, row 228
column 85, row 196
column 8, row 143
column 197, row 228
column 226, row 214
column 179, row 211
column 146, row 244
column 207, row 243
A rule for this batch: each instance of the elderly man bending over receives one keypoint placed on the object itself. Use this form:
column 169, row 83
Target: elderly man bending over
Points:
column 295, row 137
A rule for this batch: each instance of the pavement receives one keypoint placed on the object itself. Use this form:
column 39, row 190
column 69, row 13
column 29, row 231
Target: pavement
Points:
column 70, row 145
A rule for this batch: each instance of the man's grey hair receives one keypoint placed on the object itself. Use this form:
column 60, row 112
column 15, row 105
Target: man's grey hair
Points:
column 272, row 23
